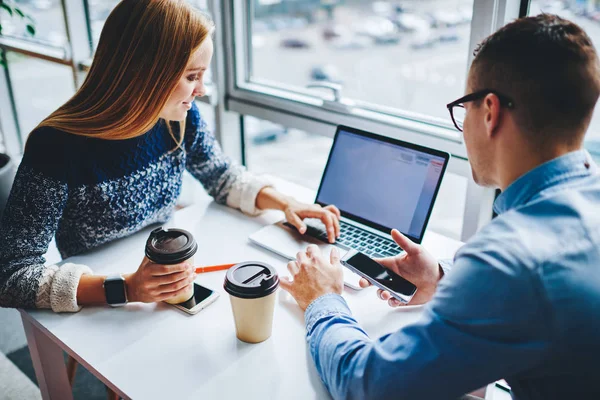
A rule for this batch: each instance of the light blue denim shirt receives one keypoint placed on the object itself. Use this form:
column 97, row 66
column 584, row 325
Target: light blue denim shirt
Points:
column 522, row 302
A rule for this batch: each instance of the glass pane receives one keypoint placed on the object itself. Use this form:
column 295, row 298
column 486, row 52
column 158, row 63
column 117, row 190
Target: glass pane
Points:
column 300, row 157
column 39, row 87
column 291, row 154
column 411, row 57
column 586, row 14
column 449, row 209
column 100, row 9
column 47, row 17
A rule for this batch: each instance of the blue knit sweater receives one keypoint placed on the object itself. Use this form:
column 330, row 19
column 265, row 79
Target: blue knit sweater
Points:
column 88, row 191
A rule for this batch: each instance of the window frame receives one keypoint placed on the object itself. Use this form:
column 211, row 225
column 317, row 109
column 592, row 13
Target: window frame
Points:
column 242, row 94
column 295, row 109
column 290, row 108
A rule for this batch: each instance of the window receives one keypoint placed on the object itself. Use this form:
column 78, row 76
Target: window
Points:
column 586, row 14
column 98, row 12
column 100, row 9
column 48, row 19
column 410, row 58
column 39, row 88
column 292, row 154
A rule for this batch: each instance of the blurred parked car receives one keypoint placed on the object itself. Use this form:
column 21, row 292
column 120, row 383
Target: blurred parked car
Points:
column 295, row 43
column 325, row 72
column 408, row 22
column 262, row 131
column 390, row 38
column 259, row 26
column 375, row 26
column 444, row 18
column 44, row 4
column 334, row 31
column 466, row 13
column 351, row 42
column 298, row 22
column 278, row 24
column 553, row 7
column 448, row 35
column 382, row 8
column 424, row 40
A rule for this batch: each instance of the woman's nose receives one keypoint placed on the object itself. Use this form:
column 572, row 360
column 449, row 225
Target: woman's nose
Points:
column 199, row 90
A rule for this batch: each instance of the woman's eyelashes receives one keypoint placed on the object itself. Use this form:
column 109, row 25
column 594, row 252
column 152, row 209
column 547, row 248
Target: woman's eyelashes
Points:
column 193, row 78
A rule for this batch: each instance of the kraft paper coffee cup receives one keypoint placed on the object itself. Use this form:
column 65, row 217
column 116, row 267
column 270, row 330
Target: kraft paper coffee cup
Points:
column 252, row 287
column 170, row 247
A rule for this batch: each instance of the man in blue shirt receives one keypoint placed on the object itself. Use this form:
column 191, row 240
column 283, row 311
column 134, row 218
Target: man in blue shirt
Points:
column 522, row 299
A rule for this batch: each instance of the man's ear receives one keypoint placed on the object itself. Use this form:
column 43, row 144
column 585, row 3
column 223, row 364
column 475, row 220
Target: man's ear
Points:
column 492, row 114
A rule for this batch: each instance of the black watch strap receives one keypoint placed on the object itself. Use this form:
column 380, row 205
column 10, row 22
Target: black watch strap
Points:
column 115, row 291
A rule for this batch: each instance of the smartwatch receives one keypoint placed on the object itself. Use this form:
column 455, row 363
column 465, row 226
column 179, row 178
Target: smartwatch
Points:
column 115, row 291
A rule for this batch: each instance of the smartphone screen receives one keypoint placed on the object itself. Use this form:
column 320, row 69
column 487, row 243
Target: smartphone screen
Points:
column 376, row 271
column 200, row 294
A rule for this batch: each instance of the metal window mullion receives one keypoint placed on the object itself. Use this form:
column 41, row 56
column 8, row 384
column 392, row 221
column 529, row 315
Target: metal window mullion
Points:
column 228, row 125
column 9, row 122
column 524, row 8
column 78, row 35
column 58, row 55
column 488, row 17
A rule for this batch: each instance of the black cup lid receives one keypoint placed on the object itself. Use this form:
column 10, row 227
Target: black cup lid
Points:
column 170, row 246
column 251, row 280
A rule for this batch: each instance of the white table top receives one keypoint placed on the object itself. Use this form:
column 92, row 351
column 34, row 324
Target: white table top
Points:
column 154, row 351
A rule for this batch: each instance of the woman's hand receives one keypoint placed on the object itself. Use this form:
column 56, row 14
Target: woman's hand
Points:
column 416, row 265
column 295, row 211
column 155, row 282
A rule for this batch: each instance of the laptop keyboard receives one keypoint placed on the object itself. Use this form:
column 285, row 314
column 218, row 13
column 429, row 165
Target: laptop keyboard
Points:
column 354, row 237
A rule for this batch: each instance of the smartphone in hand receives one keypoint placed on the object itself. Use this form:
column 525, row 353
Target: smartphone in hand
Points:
column 378, row 275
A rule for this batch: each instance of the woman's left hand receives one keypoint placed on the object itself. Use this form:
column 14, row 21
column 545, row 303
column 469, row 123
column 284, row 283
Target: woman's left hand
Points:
column 296, row 211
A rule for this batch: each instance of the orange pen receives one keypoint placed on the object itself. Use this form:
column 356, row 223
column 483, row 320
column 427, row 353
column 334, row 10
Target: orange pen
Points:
column 213, row 268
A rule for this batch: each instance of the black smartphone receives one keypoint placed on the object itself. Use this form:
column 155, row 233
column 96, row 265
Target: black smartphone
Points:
column 202, row 298
column 378, row 275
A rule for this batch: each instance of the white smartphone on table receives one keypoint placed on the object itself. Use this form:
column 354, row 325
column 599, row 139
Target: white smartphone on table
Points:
column 400, row 288
column 202, row 298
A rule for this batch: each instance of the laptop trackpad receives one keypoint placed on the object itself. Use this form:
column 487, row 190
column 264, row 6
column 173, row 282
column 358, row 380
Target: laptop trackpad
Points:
column 287, row 242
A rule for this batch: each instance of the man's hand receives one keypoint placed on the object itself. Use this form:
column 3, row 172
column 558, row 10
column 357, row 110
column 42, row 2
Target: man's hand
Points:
column 416, row 265
column 313, row 276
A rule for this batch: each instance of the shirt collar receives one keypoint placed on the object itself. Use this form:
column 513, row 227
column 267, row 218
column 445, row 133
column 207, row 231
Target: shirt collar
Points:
column 571, row 165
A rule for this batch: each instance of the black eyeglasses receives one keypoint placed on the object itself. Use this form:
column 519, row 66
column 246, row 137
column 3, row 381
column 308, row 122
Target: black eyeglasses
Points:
column 457, row 107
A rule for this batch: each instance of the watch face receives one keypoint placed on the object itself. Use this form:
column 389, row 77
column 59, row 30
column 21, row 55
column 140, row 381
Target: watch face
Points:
column 115, row 291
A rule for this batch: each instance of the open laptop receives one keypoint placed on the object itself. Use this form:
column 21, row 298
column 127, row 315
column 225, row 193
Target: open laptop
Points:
column 378, row 183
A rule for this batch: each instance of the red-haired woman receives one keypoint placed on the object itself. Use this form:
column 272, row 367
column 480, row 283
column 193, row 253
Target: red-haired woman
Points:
column 110, row 161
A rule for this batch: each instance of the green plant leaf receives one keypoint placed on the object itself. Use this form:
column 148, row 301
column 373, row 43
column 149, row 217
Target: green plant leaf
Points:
column 7, row 8
column 31, row 29
column 18, row 11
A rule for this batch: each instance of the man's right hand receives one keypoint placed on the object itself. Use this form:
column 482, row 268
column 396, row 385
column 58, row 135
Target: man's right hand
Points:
column 155, row 282
column 416, row 265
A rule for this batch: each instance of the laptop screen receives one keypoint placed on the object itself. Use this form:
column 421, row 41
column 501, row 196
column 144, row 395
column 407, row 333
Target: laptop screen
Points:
column 382, row 182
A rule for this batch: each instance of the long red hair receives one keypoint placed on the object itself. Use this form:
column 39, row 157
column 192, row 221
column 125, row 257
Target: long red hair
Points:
column 143, row 50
